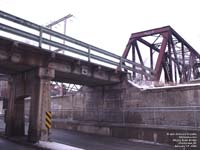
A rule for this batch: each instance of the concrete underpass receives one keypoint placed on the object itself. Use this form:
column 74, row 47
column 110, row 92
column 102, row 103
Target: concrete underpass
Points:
column 121, row 104
column 80, row 140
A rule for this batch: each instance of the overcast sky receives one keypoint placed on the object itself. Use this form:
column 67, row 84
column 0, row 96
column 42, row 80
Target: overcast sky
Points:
column 109, row 23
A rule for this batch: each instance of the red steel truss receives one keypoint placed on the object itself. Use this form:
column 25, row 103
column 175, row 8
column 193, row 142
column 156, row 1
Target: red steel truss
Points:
column 166, row 53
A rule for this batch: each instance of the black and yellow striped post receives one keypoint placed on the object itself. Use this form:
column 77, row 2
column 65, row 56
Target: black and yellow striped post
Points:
column 48, row 120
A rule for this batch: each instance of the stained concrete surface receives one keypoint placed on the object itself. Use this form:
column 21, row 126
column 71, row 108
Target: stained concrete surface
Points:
column 94, row 142
column 139, row 114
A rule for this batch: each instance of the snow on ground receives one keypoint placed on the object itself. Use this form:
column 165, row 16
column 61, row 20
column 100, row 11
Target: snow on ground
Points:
column 56, row 146
column 141, row 85
column 145, row 85
column 147, row 142
column 176, row 86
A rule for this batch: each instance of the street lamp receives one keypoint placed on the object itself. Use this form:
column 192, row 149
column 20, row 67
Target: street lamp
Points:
column 50, row 26
column 57, row 22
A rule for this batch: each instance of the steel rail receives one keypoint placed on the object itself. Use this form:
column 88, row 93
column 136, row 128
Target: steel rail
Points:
column 54, row 33
column 41, row 40
column 53, row 43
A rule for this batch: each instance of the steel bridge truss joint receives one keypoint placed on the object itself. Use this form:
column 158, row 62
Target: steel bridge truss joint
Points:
column 175, row 61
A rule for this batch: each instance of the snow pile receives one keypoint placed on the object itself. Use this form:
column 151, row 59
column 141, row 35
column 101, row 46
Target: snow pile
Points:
column 142, row 85
column 148, row 142
column 55, row 146
column 178, row 85
column 156, row 85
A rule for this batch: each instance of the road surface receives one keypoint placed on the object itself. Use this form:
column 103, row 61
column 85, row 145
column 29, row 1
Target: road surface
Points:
column 7, row 145
column 94, row 142
column 85, row 141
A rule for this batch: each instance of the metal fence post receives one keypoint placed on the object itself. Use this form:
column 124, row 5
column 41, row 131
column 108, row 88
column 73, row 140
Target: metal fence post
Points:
column 195, row 118
column 40, row 38
column 120, row 64
column 154, row 116
column 89, row 54
column 123, row 117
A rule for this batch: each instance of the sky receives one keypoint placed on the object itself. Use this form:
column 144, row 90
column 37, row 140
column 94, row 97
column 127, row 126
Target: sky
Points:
column 108, row 24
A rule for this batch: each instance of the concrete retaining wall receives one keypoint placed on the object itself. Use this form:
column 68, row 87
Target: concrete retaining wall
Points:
column 142, row 114
column 164, row 135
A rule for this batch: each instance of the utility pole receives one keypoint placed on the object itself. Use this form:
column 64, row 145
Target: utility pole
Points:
column 64, row 19
column 50, row 26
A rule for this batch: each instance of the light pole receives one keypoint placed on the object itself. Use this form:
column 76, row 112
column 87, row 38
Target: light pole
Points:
column 50, row 27
column 57, row 22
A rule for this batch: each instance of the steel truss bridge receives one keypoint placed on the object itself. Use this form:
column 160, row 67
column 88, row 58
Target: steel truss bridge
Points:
column 169, row 56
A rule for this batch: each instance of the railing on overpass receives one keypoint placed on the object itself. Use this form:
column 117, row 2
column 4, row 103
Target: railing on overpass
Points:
column 41, row 36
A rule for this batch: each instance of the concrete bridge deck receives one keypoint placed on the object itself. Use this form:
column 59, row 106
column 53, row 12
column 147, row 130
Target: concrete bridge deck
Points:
column 16, row 57
column 32, row 68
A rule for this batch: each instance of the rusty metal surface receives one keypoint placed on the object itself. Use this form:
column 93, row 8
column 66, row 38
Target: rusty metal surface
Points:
column 171, row 58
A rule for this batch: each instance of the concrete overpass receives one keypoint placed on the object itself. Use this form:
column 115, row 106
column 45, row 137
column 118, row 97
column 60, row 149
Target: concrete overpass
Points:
column 31, row 68
column 114, row 105
column 17, row 57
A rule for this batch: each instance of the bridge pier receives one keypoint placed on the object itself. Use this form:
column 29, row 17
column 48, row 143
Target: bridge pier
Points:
column 36, row 85
column 19, row 122
column 10, row 110
column 15, row 124
column 40, row 104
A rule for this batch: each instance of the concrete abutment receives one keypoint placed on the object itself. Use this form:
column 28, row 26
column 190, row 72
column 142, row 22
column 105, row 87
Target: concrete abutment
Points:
column 36, row 85
column 119, row 110
column 128, row 112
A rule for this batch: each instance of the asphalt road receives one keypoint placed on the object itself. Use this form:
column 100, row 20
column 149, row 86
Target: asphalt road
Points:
column 7, row 145
column 93, row 142
column 85, row 141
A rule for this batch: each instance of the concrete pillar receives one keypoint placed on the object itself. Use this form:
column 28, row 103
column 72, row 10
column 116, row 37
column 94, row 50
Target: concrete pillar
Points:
column 15, row 112
column 19, row 122
column 40, row 104
column 10, row 110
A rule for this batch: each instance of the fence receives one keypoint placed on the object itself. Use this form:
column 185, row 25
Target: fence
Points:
column 163, row 116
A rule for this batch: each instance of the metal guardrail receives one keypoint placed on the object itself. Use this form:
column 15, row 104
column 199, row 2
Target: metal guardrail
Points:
column 119, row 63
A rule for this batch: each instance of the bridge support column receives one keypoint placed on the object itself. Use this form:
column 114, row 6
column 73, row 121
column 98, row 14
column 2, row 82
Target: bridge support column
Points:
column 40, row 104
column 19, row 122
column 10, row 110
column 15, row 112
